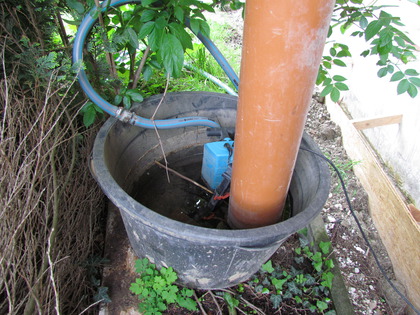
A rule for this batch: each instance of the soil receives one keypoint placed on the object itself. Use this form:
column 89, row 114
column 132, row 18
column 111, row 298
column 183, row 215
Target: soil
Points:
column 368, row 291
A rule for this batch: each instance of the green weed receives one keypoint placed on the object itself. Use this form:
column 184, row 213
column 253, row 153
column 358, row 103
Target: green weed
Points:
column 309, row 289
column 156, row 289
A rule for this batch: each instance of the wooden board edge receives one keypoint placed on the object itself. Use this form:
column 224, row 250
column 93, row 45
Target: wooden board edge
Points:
column 397, row 228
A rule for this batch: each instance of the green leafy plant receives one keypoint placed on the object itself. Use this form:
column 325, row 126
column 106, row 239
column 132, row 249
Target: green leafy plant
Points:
column 133, row 43
column 387, row 40
column 156, row 289
column 308, row 288
column 90, row 112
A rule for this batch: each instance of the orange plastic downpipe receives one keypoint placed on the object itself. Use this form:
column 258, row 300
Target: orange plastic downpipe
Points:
column 282, row 49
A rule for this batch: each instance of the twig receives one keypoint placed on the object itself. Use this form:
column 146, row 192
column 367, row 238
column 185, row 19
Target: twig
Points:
column 109, row 58
column 140, row 68
column 258, row 310
column 215, row 302
column 199, row 304
column 162, row 99
column 156, row 130
column 90, row 306
column 183, row 177
column 163, row 151
column 50, row 262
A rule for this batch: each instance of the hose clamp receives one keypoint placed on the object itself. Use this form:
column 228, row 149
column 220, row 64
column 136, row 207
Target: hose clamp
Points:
column 125, row 115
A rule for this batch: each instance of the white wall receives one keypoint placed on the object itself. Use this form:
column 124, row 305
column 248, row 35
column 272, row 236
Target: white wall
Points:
column 398, row 145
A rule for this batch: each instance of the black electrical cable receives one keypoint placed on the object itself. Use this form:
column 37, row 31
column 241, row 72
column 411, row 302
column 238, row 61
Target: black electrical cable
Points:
column 363, row 233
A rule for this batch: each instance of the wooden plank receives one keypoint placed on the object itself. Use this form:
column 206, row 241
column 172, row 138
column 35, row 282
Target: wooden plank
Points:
column 361, row 124
column 397, row 228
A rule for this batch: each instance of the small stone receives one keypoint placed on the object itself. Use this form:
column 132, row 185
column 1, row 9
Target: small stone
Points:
column 326, row 132
column 359, row 249
column 372, row 305
column 331, row 219
column 356, row 270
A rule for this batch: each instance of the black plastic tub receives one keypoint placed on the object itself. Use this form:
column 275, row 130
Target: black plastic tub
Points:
column 204, row 258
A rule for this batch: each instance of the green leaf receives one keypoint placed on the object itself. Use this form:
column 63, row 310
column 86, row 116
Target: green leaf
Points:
column 89, row 115
column 161, row 22
column 318, row 265
column 146, row 29
column 412, row 90
column 329, row 263
column 265, row 291
column 170, row 294
column 156, row 39
column 385, row 37
column 268, row 267
column 169, row 274
column 102, row 295
column 172, row 55
column 276, row 300
column 327, row 64
column 341, row 86
column 179, row 14
column 328, row 279
column 383, row 50
column 207, row 7
column 195, row 25
column 294, row 288
column 187, row 303
column 98, row 109
column 397, row 76
column 127, row 102
column 147, row 73
column 339, row 62
column 230, row 301
column 411, row 72
column 335, row 95
column 278, row 283
column 401, row 42
column 180, row 33
column 322, row 306
column 147, row 15
column 339, row 78
column 372, row 29
column 76, row 5
column 415, row 81
column 132, row 37
column 146, row 3
column 325, row 247
column 204, row 28
column 363, row 22
column 382, row 72
column 134, row 95
column 327, row 90
column 365, row 53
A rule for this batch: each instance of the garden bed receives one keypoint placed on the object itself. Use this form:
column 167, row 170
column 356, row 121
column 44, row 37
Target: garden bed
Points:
column 368, row 291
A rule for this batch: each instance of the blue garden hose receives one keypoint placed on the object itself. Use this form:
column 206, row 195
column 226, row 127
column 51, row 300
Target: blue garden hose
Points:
column 124, row 114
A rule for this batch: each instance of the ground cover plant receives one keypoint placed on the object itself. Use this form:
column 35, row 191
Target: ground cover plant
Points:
column 46, row 193
column 301, row 287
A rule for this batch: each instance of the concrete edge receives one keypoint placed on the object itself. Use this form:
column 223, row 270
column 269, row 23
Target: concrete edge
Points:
column 339, row 293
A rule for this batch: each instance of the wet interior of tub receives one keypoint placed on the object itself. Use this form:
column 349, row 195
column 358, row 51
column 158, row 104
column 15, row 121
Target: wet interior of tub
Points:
column 178, row 198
